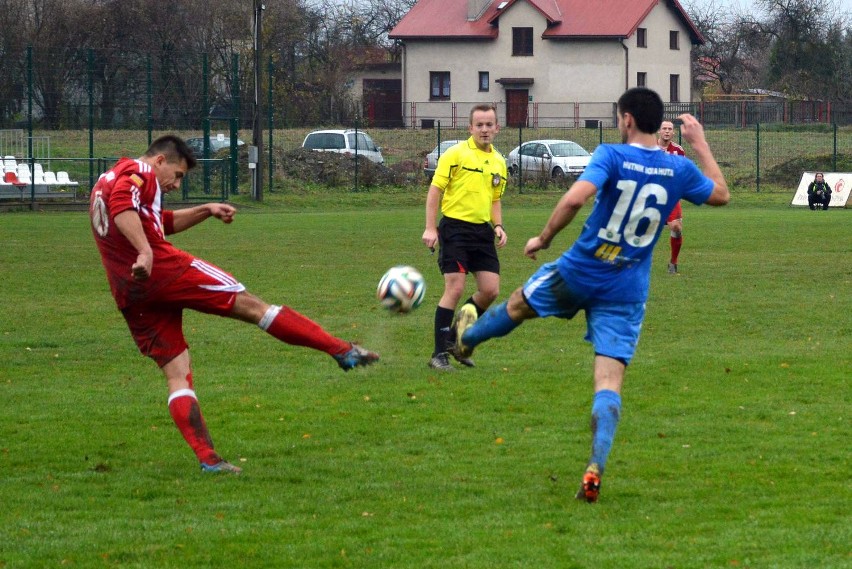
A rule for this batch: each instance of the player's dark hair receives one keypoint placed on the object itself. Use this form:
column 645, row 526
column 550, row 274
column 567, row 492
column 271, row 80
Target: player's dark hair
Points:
column 174, row 149
column 645, row 106
column 484, row 107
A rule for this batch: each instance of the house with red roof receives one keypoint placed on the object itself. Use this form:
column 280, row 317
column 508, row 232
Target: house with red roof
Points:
column 541, row 58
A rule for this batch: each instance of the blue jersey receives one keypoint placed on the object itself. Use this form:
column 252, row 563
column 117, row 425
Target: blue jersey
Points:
column 637, row 188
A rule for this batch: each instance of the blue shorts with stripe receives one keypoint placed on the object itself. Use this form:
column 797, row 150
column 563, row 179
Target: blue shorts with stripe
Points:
column 612, row 327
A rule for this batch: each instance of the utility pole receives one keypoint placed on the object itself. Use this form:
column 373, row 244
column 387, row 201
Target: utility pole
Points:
column 256, row 153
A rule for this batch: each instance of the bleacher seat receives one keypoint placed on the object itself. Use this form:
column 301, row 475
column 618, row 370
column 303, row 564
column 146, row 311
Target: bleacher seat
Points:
column 50, row 178
column 38, row 178
column 63, row 179
column 24, row 175
column 37, row 169
column 10, row 163
column 12, row 178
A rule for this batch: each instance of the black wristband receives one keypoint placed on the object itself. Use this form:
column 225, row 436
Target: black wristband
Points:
column 500, row 225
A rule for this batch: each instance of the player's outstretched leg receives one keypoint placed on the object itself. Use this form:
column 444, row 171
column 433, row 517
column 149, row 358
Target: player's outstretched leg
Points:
column 291, row 327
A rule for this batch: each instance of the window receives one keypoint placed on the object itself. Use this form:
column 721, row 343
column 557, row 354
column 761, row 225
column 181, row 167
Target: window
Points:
column 674, row 39
column 484, row 82
column 641, row 37
column 641, row 79
column 522, row 41
column 439, row 85
column 674, row 88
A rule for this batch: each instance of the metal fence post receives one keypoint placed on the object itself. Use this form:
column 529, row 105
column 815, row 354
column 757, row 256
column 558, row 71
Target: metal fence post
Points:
column 91, row 82
column 270, row 118
column 149, row 90
column 356, row 154
column 30, row 120
column 235, row 117
column 205, row 121
column 834, row 154
column 520, row 160
column 757, row 156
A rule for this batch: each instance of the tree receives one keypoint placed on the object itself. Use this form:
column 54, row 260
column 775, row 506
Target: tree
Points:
column 734, row 48
column 12, row 50
column 805, row 37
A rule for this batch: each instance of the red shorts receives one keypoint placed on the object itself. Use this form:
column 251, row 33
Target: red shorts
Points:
column 677, row 213
column 156, row 323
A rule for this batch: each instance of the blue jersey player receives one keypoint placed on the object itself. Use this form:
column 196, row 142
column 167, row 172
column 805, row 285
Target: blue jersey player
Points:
column 606, row 271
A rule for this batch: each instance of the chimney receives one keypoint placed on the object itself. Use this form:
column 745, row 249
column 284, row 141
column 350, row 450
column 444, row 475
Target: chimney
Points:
column 475, row 8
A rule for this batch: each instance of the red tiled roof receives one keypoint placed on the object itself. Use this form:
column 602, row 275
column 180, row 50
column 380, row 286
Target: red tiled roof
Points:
column 447, row 19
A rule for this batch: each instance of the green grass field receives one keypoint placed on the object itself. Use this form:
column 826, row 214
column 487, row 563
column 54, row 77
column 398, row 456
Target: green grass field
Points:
column 730, row 453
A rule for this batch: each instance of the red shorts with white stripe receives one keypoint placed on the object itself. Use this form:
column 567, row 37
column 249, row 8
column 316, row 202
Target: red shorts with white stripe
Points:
column 677, row 213
column 156, row 323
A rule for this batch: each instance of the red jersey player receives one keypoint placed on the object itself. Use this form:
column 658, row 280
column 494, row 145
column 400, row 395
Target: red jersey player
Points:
column 675, row 220
column 153, row 282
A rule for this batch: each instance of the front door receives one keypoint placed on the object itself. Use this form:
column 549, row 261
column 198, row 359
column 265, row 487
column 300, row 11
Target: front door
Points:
column 516, row 107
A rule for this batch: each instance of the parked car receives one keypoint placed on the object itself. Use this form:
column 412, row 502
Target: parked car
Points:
column 431, row 161
column 554, row 158
column 217, row 143
column 344, row 142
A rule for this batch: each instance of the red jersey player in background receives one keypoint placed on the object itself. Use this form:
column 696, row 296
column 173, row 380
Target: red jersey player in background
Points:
column 153, row 282
column 675, row 220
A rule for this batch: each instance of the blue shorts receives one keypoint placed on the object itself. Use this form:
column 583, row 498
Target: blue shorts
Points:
column 612, row 327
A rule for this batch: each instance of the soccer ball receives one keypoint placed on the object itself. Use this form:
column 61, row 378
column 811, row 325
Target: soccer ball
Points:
column 401, row 289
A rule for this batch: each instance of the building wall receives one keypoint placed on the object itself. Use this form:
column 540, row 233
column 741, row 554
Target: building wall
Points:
column 657, row 60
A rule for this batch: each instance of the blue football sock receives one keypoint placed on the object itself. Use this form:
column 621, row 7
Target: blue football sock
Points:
column 493, row 324
column 606, row 410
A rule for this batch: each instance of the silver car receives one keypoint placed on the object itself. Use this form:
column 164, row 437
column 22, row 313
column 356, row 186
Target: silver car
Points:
column 553, row 158
column 217, row 143
column 431, row 161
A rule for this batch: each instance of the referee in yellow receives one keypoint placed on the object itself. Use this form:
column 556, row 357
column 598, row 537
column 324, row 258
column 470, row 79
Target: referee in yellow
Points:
column 467, row 186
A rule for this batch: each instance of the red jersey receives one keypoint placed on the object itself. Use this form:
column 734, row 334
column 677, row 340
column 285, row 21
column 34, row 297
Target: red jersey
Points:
column 673, row 148
column 132, row 184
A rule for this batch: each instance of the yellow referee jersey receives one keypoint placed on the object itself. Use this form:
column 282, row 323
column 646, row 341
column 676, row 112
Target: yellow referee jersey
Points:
column 471, row 181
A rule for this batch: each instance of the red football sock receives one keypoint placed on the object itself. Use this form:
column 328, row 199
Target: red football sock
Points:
column 186, row 414
column 676, row 243
column 289, row 326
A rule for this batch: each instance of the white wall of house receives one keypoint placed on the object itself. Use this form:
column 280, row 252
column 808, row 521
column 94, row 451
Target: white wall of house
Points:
column 657, row 60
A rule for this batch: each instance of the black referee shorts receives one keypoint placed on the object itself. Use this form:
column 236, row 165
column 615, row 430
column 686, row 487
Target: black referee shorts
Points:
column 466, row 247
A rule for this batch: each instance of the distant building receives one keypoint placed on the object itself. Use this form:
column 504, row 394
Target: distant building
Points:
column 375, row 84
column 518, row 52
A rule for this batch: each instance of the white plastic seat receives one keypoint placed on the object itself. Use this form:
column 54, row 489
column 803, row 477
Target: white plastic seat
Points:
column 62, row 178
column 37, row 169
column 38, row 178
column 50, row 178
column 24, row 174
